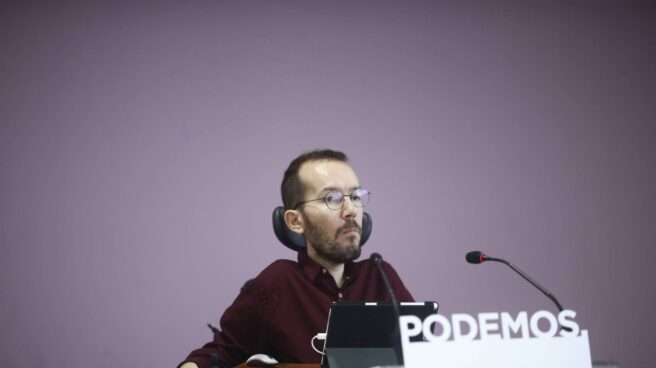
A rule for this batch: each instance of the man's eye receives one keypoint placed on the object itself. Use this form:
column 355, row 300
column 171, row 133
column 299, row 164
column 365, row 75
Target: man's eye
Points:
column 333, row 197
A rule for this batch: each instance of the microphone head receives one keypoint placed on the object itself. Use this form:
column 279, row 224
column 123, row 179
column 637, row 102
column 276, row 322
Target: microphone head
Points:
column 475, row 257
column 375, row 257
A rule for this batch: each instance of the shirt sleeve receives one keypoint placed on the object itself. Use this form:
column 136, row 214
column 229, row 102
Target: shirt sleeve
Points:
column 243, row 330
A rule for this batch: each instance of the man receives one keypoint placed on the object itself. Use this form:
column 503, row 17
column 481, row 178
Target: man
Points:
column 287, row 304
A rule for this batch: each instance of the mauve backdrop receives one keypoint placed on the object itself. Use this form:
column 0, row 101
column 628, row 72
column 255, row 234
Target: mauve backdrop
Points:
column 142, row 145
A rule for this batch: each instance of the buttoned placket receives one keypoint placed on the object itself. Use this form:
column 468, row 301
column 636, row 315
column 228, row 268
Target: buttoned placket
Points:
column 339, row 296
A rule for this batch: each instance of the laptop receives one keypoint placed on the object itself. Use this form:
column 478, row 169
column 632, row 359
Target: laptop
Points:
column 363, row 334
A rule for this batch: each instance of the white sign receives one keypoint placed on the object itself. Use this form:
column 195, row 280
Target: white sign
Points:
column 496, row 340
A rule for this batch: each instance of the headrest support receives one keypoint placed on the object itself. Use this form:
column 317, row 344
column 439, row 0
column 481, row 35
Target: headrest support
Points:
column 296, row 242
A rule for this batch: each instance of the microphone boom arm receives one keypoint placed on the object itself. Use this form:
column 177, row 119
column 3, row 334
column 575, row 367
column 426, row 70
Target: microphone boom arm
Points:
column 378, row 261
column 529, row 279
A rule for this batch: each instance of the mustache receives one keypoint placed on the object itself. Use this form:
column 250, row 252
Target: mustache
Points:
column 350, row 224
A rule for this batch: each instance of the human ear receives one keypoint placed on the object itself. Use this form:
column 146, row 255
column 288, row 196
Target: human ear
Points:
column 294, row 221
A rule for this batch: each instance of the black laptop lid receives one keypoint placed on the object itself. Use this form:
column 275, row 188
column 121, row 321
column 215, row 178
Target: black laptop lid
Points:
column 363, row 334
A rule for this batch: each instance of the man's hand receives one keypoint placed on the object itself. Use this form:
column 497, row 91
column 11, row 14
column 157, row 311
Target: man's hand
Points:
column 189, row 365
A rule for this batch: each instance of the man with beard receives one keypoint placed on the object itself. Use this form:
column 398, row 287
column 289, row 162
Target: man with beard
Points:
column 279, row 311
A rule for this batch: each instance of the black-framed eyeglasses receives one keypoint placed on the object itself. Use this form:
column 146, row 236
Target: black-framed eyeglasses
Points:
column 335, row 199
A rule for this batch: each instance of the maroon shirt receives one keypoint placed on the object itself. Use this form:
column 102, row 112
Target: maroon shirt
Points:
column 280, row 311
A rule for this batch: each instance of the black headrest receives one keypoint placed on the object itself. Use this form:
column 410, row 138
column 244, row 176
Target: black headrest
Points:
column 296, row 242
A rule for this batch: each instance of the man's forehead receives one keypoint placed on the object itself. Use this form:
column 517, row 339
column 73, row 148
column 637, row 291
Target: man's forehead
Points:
column 323, row 174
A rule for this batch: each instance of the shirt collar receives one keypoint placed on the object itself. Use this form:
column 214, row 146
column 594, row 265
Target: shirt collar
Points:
column 312, row 269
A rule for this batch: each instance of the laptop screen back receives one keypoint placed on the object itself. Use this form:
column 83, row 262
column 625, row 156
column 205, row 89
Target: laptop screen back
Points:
column 361, row 334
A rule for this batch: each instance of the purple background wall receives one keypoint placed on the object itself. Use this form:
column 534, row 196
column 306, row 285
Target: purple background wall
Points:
column 142, row 145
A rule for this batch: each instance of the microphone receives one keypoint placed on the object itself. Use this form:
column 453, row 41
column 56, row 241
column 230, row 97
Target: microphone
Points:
column 476, row 257
column 215, row 331
column 377, row 259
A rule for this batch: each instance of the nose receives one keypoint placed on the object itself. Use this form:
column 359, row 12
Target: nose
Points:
column 348, row 208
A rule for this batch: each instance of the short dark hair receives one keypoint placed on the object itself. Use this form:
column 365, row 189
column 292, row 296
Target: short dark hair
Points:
column 292, row 189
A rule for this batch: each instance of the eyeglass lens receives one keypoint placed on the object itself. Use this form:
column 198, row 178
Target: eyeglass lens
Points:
column 359, row 197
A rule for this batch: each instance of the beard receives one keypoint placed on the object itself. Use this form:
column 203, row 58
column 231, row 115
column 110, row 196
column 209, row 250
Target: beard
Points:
column 330, row 248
